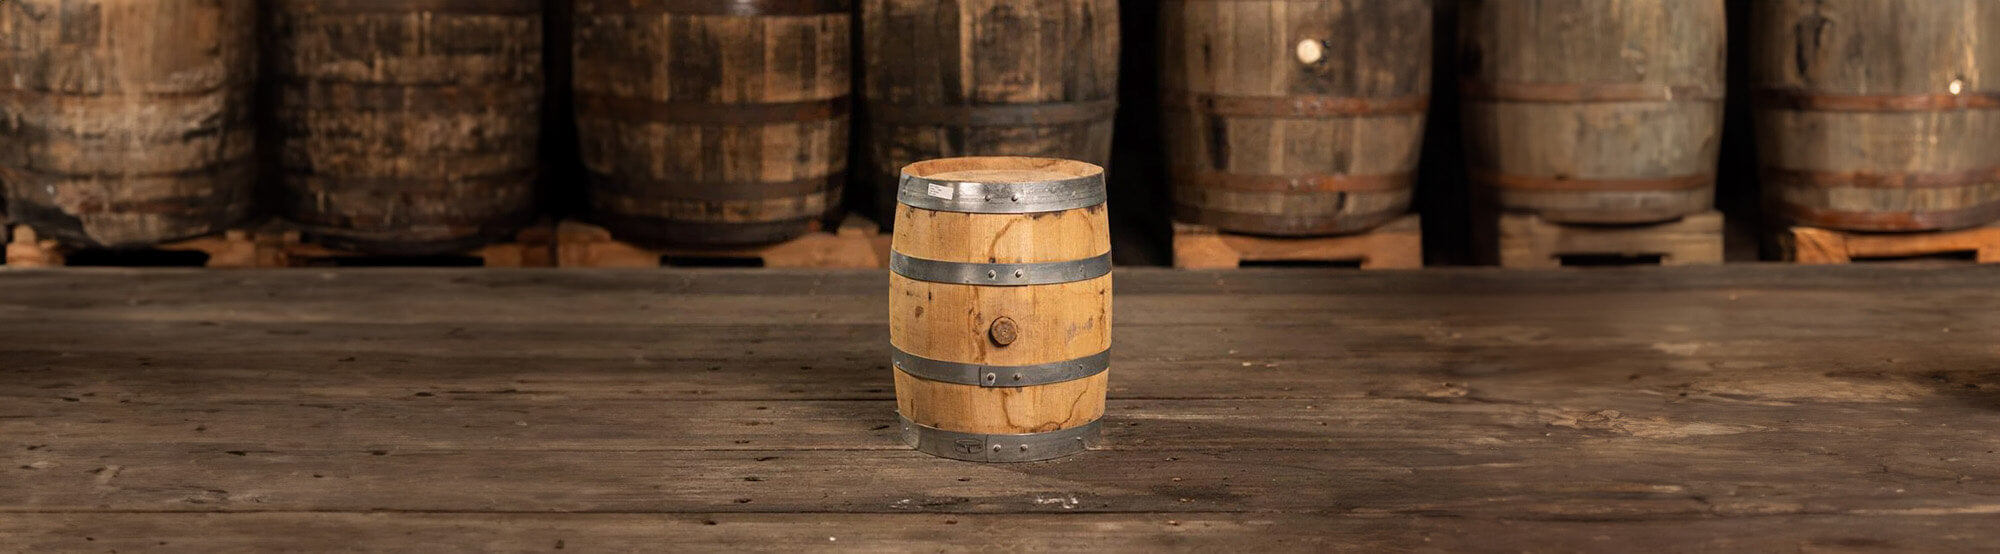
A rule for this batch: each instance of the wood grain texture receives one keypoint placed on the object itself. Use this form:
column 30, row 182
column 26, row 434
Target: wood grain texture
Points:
column 1871, row 115
column 1595, row 111
column 713, row 127
column 1294, row 118
column 1003, row 239
column 1006, row 411
column 127, row 123
column 952, row 78
column 409, row 128
column 949, row 322
column 1723, row 408
column 1138, row 532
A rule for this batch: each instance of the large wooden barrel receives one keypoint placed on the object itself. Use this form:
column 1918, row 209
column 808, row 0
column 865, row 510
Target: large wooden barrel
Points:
column 947, row 78
column 1000, row 307
column 1879, row 115
column 409, row 127
column 712, row 123
column 127, row 123
column 1289, row 117
column 1594, row 111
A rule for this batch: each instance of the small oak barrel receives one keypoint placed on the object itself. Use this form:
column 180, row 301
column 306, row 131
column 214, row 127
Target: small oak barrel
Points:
column 409, row 127
column 1594, row 111
column 950, row 78
column 127, row 123
column 712, row 123
column 1000, row 307
column 1288, row 117
column 1879, row 115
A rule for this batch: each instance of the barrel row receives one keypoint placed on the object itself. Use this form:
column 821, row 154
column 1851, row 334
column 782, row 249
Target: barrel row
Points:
column 414, row 127
column 1305, row 118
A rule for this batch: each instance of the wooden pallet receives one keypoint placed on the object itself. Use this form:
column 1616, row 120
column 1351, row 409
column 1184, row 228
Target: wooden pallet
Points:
column 1396, row 245
column 852, row 246
column 1526, row 241
column 274, row 246
column 234, row 249
column 1815, row 246
column 532, row 247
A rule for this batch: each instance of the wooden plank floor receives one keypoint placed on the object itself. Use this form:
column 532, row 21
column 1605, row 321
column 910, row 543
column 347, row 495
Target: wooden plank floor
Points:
column 1738, row 408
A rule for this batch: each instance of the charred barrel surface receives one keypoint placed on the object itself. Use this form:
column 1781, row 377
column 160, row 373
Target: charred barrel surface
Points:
column 1287, row 117
column 1879, row 115
column 1595, row 111
column 713, row 123
column 409, row 127
column 1000, row 307
column 127, row 123
column 987, row 78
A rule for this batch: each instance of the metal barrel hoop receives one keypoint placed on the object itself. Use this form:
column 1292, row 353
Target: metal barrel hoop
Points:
column 997, row 376
column 977, row 447
column 946, row 195
column 1004, row 275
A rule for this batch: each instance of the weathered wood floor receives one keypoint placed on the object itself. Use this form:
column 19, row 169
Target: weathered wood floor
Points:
column 1772, row 409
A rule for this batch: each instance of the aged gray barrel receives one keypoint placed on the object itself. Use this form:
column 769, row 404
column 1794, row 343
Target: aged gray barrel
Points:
column 127, row 123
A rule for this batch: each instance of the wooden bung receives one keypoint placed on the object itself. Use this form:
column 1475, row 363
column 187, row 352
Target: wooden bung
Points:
column 127, row 123
column 1594, row 111
column 712, row 124
column 409, row 127
column 1879, row 115
column 1294, row 117
column 948, row 78
column 1000, row 307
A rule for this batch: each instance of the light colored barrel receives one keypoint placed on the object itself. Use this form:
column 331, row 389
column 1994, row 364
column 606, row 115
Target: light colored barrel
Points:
column 947, row 78
column 127, row 123
column 713, row 123
column 1000, row 307
column 1595, row 111
column 1879, row 115
column 1294, row 117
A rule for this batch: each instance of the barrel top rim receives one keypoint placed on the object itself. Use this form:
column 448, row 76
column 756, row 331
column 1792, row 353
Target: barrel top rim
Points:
column 1068, row 170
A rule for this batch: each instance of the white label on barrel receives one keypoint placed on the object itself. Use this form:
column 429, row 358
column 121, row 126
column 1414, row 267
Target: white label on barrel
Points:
column 942, row 191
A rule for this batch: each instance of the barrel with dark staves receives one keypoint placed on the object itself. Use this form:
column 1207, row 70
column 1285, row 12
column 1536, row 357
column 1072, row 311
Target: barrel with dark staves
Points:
column 1594, row 111
column 1294, row 118
column 409, row 127
column 1000, row 307
column 950, row 78
column 1879, row 115
column 712, row 123
column 127, row 123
